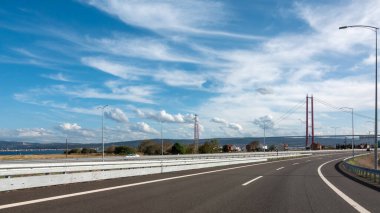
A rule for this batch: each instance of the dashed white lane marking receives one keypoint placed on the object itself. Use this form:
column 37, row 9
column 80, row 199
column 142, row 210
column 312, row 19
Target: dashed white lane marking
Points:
column 280, row 168
column 308, row 160
column 295, row 163
column 244, row 184
column 354, row 204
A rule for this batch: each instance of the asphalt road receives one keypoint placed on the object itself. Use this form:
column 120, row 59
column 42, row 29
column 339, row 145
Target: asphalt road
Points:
column 284, row 186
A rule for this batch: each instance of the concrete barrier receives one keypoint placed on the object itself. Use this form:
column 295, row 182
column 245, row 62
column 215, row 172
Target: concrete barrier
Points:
column 21, row 176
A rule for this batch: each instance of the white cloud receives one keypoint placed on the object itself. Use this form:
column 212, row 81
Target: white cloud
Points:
column 74, row 129
column 144, row 127
column 219, row 120
column 70, row 127
column 116, row 114
column 234, row 126
column 163, row 116
column 370, row 60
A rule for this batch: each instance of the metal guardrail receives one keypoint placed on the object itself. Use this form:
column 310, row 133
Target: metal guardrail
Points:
column 370, row 174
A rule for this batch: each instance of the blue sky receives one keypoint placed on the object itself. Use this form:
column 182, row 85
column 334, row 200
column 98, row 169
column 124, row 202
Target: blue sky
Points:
column 229, row 62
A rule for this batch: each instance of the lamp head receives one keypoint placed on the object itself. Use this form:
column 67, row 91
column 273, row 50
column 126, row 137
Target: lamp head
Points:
column 343, row 27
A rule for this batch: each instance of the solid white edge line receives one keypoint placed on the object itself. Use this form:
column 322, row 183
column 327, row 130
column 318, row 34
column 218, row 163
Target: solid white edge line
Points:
column 295, row 163
column 5, row 206
column 354, row 204
column 244, row 184
column 280, row 168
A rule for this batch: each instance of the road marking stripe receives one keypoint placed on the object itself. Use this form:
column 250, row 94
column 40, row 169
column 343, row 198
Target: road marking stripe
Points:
column 295, row 163
column 308, row 160
column 134, row 184
column 244, row 184
column 354, row 204
column 280, row 168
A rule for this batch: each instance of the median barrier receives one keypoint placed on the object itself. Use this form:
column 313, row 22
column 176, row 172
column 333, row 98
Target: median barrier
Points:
column 14, row 177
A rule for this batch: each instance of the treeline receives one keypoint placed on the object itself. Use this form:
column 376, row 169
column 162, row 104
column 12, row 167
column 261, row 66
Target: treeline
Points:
column 154, row 148
column 149, row 147
column 81, row 151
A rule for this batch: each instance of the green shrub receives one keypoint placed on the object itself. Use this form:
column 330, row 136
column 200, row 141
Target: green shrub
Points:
column 124, row 150
column 178, row 148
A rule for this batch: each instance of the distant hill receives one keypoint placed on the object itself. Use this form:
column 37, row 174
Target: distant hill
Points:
column 291, row 141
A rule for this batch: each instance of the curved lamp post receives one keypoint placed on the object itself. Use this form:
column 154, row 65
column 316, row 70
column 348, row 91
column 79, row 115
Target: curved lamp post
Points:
column 375, row 29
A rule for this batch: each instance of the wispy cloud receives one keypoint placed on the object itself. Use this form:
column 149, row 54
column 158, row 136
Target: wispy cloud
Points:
column 194, row 17
column 114, row 91
column 112, row 68
column 57, row 77
column 179, row 78
column 146, row 48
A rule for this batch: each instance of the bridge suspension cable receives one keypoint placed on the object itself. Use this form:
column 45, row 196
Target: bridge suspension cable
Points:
column 325, row 103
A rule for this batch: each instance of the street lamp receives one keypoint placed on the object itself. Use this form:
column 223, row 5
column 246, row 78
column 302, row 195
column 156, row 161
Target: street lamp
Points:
column 352, row 125
column 162, row 140
column 67, row 147
column 335, row 127
column 102, row 108
column 375, row 29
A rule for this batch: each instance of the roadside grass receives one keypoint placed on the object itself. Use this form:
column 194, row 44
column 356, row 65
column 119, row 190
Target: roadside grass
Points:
column 366, row 161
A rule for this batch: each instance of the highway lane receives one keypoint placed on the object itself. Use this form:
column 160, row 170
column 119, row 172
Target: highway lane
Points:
column 366, row 196
column 296, row 187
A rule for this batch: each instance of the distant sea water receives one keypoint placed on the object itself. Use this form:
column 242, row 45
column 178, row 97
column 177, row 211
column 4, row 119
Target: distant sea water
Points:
column 31, row 152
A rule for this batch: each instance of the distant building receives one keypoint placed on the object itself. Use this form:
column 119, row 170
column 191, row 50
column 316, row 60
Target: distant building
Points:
column 316, row 146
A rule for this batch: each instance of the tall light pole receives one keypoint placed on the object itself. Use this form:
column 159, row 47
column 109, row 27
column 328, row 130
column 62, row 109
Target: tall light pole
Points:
column 335, row 127
column 352, row 125
column 102, row 108
column 265, row 126
column 162, row 140
column 375, row 29
column 67, row 147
